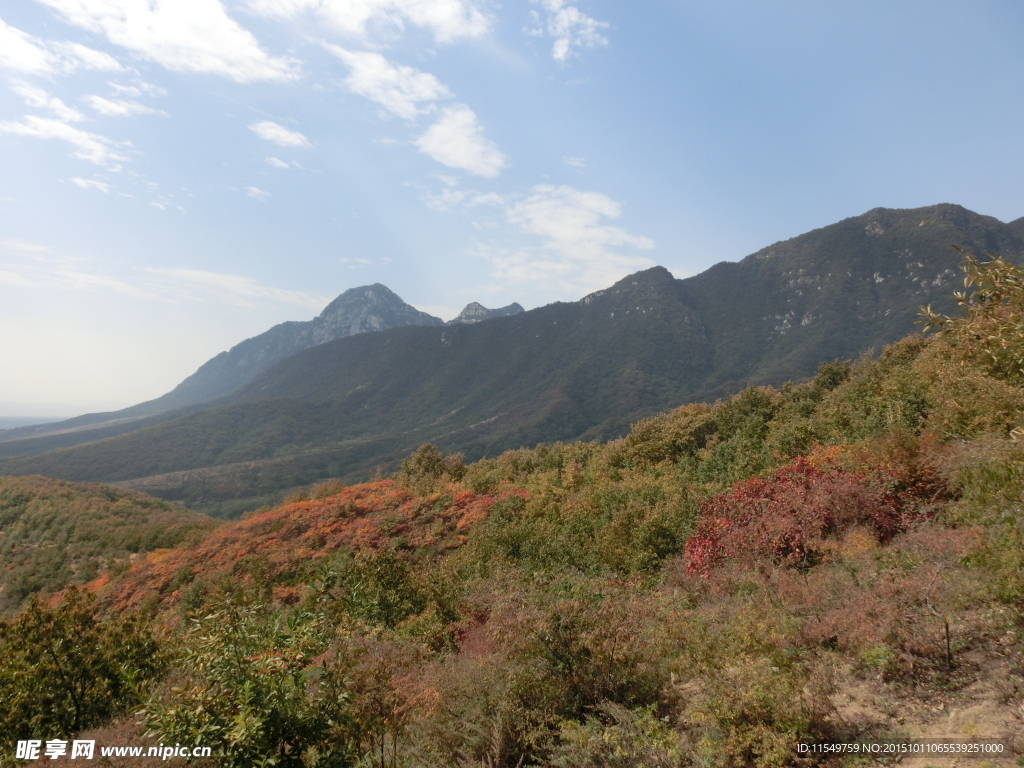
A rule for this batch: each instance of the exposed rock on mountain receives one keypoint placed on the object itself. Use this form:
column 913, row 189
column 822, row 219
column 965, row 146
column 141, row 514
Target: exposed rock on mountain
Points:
column 475, row 313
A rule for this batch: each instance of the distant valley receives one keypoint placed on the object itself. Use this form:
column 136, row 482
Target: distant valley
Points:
column 371, row 378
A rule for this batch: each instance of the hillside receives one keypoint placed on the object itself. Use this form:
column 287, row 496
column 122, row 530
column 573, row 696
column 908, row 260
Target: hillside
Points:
column 837, row 561
column 581, row 370
column 54, row 533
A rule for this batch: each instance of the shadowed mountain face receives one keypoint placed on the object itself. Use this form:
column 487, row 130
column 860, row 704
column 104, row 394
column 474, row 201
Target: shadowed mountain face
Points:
column 358, row 310
column 581, row 370
column 474, row 313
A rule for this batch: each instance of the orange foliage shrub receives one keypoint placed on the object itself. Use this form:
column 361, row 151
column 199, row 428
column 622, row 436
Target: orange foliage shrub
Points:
column 277, row 545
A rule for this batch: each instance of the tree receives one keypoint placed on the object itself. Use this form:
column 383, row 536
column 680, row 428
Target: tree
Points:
column 991, row 330
column 63, row 669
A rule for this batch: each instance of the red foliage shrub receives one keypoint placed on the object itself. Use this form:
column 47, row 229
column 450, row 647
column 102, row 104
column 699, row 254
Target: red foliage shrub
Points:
column 787, row 516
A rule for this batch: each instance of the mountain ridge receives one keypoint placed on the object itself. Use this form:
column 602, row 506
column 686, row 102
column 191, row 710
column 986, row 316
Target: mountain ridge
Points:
column 566, row 371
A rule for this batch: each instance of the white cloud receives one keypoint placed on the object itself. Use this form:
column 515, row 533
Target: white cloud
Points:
column 102, row 186
column 23, row 52
column 397, row 88
column 40, row 99
column 30, row 265
column 278, row 163
column 181, row 35
column 570, row 27
column 256, row 192
column 575, row 162
column 448, row 20
column 138, row 88
column 578, row 252
column 451, row 199
column 457, row 140
column 20, row 246
column 76, row 55
column 88, row 146
column 556, row 239
column 278, row 134
column 120, row 107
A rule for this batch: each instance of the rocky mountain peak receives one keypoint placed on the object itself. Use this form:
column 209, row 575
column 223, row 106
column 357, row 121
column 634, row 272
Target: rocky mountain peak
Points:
column 366, row 308
column 475, row 313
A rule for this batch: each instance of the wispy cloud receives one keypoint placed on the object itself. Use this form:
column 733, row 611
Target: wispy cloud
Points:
column 102, row 186
column 40, row 99
column 87, row 146
column 29, row 265
column 554, row 239
column 26, row 53
column 457, row 140
column 9, row 245
column 399, row 89
column 137, row 88
column 199, row 285
column 271, row 131
column 194, row 36
column 278, row 163
column 120, row 107
column 256, row 192
column 569, row 26
column 448, row 20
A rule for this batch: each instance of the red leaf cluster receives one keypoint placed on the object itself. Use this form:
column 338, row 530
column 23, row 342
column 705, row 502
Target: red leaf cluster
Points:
column 788, row 515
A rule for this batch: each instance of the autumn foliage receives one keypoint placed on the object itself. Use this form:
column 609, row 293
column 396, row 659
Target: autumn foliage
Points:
column 273, row 547
column 697, row 593
column 790, row 516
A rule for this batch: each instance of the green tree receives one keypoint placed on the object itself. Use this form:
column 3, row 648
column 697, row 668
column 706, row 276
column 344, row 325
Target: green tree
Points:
column 63, row 669
column 429, row 464
column 991, row 330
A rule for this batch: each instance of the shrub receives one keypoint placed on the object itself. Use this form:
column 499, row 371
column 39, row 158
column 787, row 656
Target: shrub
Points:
column 990, row 333
column 787, row 516
column 259, row 690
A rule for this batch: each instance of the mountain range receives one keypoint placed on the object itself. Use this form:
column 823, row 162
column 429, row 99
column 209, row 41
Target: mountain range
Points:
column 312, row 407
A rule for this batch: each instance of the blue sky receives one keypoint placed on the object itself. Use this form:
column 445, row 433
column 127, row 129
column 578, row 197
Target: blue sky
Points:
column 179, row 175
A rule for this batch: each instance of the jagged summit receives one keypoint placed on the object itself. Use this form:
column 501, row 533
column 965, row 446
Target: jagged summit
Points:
column 475, row 313
column 358, row 310
column 367, row 308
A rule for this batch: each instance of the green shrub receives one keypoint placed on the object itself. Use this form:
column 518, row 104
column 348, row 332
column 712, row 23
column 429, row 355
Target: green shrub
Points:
column 258, row 689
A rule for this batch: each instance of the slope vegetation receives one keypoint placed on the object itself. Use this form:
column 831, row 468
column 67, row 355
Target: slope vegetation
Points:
column 54, row 533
